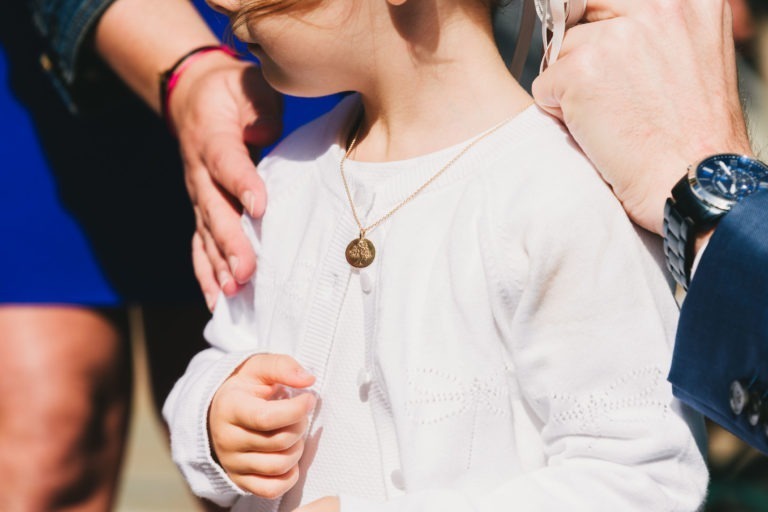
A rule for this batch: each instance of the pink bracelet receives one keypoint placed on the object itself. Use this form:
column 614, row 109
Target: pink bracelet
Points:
column 170, row 78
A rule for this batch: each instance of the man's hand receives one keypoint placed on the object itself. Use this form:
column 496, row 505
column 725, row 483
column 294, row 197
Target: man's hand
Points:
column 220, row 109
column 647, row 88
column 328, row 504
column 257, row 438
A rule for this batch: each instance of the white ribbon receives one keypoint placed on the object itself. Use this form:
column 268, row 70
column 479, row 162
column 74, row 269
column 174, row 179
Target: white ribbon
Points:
column 556, row 16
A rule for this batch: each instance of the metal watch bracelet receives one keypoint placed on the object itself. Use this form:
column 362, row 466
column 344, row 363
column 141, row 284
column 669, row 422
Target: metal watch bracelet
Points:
column 679, row 241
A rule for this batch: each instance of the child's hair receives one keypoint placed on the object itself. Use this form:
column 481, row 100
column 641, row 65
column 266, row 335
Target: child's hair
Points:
column 253, row 9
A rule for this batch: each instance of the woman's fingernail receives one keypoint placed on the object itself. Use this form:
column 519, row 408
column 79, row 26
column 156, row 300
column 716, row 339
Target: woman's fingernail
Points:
column 248, row 200
column 224, row 279
column 233, row 262
column 210, row 301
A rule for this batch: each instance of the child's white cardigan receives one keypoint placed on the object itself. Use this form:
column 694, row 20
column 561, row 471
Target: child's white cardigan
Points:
column 519, row 330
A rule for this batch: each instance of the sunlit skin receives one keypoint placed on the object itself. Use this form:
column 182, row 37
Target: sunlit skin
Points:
column 286, row 45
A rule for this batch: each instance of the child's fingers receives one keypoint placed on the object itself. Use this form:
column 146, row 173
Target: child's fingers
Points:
column 267, row 487
column 263, row 464
column 260, row 415
column 238, row 439
column 268, row 442
column 277, row 369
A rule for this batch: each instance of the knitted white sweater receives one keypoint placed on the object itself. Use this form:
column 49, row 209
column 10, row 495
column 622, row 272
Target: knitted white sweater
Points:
column 518, row 329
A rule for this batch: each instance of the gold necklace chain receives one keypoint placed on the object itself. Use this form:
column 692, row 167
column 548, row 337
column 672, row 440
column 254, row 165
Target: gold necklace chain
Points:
column 361, row 252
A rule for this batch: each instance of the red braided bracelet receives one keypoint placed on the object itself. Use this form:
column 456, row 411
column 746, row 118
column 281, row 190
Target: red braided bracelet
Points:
column 170, row 78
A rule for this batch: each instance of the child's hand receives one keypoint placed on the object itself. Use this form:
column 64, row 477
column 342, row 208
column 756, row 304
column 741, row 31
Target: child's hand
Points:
column 328, row 504
column 258, row 438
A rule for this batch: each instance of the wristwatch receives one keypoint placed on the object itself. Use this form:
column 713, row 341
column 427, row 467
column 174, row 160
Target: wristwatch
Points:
column 706, row 193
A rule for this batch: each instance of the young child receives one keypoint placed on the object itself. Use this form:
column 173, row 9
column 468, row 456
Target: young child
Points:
column 451, row 311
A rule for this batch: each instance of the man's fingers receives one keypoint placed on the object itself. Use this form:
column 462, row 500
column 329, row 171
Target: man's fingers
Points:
column 204, row 271
column 259, row 415
column 277, row 369
column 655, row 11
column 578, row 62
column 548, row 88
column 228, row 159
column 598, row 10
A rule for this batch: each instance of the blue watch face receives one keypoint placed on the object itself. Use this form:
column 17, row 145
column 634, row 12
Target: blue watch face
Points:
column 725, row 179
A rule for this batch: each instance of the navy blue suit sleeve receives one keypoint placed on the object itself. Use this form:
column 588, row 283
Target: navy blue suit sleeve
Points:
column 723, row 331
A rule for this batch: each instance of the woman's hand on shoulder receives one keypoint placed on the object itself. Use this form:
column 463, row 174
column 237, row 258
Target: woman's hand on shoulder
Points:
column 221, row 110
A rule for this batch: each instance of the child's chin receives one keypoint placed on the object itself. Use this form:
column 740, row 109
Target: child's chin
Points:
column 285, row 84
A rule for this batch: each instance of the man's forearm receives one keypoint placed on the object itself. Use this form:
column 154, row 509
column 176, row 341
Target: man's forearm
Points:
column 140, row 39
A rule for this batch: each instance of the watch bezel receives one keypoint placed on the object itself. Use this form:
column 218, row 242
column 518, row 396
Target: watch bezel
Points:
column 720, row 204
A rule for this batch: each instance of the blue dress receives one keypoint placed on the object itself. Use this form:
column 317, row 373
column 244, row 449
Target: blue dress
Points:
column 93, row 209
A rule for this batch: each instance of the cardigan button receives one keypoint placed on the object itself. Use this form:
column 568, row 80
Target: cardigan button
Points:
column 366, row 282
column 738, row 398
column 364, row 380
column 397, row 479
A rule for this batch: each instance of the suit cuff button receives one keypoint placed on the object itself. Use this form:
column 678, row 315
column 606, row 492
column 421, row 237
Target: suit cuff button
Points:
column 755, row 409
column 739, row 397
column 764, row 419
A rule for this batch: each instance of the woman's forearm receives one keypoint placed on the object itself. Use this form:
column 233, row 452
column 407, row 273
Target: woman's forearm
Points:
column 140, row 39
column 220, row 107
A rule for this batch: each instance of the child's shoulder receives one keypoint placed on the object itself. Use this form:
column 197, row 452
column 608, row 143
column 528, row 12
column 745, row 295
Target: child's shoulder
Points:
column 542, row 191
column 535, row 149
column 541, row 183
column 538, row 164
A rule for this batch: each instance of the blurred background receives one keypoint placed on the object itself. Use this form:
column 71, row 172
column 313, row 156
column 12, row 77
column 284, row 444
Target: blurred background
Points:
column 50, row 191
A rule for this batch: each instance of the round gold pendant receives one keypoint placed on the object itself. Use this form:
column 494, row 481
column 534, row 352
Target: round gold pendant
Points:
column 360, row 252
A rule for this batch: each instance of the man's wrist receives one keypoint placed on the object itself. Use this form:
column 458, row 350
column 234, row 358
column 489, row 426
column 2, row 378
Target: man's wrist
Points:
column 702, row 239
column 692, row 158
column 699, row 200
